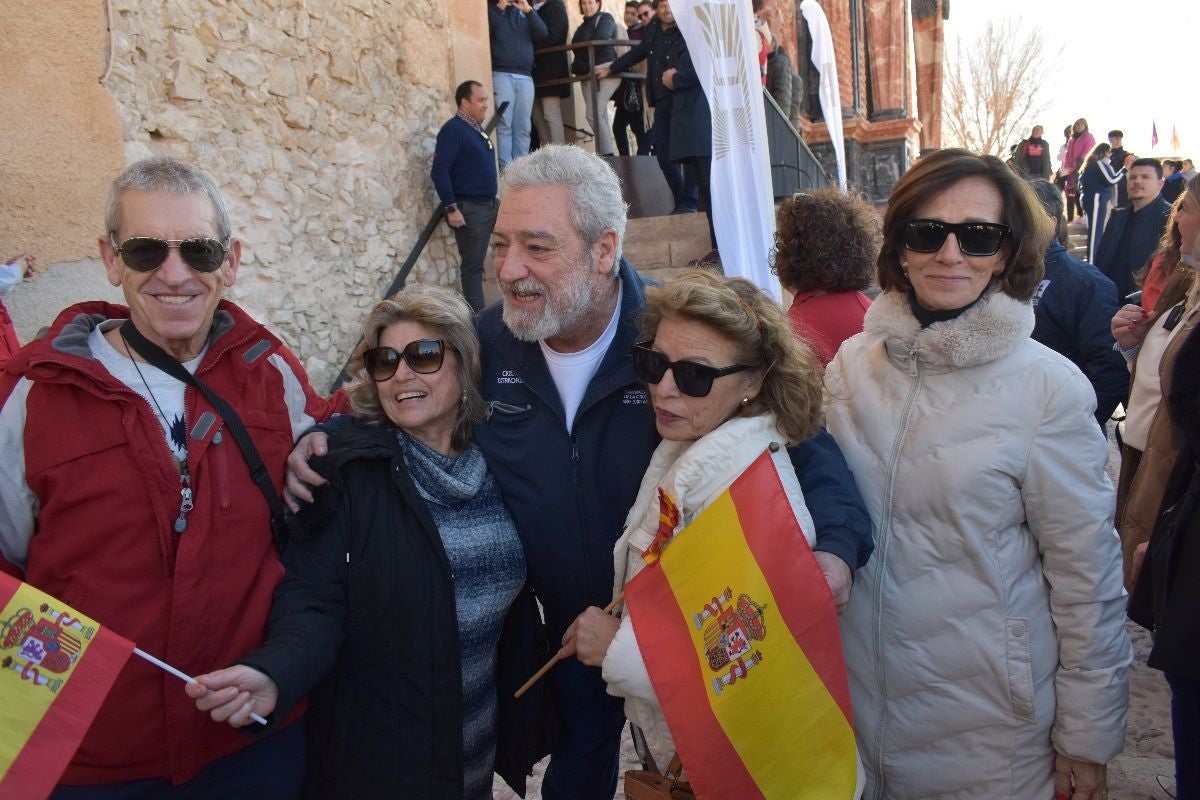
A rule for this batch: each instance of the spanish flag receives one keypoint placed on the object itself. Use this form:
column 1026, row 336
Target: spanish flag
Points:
column 56, row 666
column 740, row 637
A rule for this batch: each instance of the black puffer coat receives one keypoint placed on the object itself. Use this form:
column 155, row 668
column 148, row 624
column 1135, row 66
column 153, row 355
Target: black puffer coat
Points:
column 598, row 26
column 366, row 614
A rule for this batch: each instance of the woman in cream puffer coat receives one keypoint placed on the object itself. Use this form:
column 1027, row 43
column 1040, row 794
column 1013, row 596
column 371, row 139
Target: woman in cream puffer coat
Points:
column 985, row 640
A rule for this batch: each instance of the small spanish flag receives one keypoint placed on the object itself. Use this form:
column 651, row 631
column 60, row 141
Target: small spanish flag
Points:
column 56, row 666
column 740, row 637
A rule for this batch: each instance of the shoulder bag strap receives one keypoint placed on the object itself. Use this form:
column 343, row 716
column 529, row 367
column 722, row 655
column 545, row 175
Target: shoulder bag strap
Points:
column 157, row 357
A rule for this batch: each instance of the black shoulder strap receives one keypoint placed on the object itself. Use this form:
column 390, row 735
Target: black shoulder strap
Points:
column 156, row 356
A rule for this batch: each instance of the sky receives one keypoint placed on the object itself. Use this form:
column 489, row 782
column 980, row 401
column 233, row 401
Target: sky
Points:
column 1124, row 65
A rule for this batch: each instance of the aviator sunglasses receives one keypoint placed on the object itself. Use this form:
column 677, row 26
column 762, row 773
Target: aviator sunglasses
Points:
column 146, row 254
column 694, row 380
column 423, row 356
column 974, row 238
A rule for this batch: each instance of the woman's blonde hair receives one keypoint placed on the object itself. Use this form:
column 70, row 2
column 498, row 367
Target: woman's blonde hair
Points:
column 759, row 329
column 448, row 315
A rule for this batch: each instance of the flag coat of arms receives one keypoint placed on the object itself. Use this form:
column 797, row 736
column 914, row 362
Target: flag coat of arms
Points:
column 740, row 637
column 56, row 667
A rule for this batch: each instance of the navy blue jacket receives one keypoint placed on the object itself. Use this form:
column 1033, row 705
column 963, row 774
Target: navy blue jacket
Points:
column 512, row 34
column 691, row 119
column 1146, row 228
column 570, row 492
column 1073, row 306
column 464, row 166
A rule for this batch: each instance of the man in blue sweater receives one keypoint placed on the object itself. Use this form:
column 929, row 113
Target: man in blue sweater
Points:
column 513, row 26
column 464, row 174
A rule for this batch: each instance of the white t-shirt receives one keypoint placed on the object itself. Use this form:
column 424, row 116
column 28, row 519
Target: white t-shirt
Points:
column 572, row 372
column 163, row 393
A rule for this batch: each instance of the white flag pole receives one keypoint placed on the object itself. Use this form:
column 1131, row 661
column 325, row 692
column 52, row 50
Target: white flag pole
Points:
column 724, row 51
column 137, row 651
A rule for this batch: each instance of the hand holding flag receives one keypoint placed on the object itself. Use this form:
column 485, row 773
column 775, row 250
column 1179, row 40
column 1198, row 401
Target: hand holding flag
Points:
column 234, row 695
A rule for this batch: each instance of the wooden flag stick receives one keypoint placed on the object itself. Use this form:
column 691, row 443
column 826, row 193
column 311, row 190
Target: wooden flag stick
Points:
column 541, row 673
column 137, row 651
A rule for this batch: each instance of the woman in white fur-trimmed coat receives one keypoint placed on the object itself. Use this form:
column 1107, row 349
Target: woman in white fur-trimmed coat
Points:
column 985, row 640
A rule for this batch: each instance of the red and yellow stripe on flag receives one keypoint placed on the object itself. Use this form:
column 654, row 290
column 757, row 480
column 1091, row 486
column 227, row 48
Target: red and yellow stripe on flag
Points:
column 740, row 636
column 56, row 666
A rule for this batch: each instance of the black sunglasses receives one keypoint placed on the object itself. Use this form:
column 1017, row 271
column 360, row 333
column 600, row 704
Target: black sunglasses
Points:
column 694, row 380
column 146, row 254
column 423, row 356
column 974, row 238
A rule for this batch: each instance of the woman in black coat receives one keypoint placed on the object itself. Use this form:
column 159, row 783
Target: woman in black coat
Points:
column 547, row 106
column 597, row 25
column 402, row 611
column 1166, row 596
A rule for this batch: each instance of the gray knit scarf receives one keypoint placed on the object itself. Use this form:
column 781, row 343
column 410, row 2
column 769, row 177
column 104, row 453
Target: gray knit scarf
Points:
column 442, row 479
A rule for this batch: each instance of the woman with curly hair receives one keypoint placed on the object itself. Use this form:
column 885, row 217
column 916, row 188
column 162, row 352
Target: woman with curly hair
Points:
column 826, row 244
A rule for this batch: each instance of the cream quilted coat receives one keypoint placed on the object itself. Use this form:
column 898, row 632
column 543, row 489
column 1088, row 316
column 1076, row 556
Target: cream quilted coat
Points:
column 987, row 631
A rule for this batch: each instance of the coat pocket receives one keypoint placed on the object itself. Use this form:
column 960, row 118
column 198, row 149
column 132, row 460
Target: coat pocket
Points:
column 1020, row 668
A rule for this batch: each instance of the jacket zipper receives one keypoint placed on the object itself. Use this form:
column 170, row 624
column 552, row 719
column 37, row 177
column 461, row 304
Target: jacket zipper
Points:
column 917, row 371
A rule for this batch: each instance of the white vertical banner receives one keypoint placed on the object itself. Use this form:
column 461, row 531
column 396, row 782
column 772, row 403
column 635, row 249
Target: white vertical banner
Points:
column 825, row 61
column 724, row 49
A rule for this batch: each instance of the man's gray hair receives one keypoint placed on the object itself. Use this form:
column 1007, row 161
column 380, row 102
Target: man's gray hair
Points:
column 596, row 203
column 165, row 174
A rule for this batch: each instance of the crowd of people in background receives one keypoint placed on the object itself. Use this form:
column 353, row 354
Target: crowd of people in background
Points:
column 491, row 478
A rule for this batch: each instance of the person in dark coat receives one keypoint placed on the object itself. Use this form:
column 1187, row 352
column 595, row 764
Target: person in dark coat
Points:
column 629, row 100
column 1132, row 233
column 547, row 105
column 660, row 48
column 399, row 581
column 1166, row 596
column 691, row 131
column 1073, row 306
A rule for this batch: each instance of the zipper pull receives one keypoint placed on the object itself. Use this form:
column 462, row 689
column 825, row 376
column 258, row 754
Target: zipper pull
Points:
column 185, row 500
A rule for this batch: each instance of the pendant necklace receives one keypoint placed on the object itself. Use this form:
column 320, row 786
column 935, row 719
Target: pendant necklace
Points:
column 185, row 476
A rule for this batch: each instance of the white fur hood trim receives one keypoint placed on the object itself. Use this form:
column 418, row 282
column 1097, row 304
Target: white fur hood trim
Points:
column 990, row 330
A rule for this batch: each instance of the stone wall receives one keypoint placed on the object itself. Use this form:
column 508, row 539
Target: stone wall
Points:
column 318, row 118
column 60, row 143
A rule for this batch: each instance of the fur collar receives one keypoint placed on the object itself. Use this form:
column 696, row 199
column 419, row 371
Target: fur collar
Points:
column 989, row 330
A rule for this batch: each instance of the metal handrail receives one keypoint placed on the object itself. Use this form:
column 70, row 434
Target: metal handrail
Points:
column 419, row 247
column 593, row 81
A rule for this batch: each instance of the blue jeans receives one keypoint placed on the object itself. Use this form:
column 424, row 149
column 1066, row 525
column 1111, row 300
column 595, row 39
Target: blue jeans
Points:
column 1185, row 727
column 271, row 768
column 512, row 133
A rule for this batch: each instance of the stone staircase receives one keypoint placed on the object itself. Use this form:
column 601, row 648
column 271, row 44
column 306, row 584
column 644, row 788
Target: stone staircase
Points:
column 1077, row 239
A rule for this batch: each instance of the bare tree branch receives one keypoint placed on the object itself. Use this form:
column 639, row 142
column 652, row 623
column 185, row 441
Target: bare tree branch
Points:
column 996, row 85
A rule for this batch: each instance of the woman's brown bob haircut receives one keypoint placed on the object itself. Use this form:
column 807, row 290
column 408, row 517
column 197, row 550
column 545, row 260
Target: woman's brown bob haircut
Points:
column 737, row 310
column 826, row 240
column 1023, row 250
column 445, row 313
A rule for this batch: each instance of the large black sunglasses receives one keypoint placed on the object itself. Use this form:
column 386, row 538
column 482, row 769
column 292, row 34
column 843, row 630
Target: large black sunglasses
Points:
column 146, row 254
column 694, row 380
column 423, row 356
column 974, row 238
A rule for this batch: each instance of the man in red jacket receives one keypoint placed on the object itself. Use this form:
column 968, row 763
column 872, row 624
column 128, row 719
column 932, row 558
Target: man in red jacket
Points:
column 123, row 493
